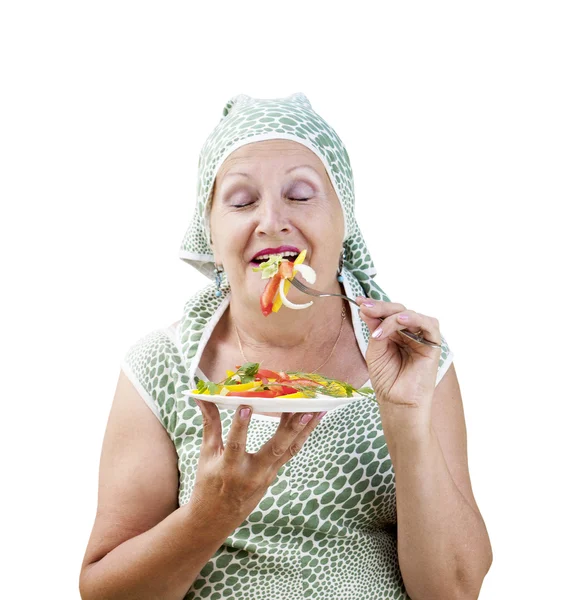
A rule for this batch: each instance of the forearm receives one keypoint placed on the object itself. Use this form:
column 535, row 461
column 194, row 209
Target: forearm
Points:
column 443, row 546
column 161, row 563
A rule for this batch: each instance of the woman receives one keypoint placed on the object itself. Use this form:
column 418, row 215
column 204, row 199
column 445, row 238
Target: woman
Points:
column 198, row 503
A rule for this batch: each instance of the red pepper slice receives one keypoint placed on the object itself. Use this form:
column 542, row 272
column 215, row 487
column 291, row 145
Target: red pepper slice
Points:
column 269, row 293
column 282, row 390
column 263, row 394
column 272, row 375
column 285, row 269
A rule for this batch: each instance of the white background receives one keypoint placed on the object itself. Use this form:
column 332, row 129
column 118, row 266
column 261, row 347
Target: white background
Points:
column 463, row 129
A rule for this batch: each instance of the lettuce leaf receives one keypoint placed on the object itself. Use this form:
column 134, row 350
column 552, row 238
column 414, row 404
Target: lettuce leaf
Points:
column 270, row 267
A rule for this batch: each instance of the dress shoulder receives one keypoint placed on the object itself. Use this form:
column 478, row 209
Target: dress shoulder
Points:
column 155, row 367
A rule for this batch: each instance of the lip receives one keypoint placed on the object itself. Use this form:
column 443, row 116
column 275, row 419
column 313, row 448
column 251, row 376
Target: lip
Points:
column 275, row 251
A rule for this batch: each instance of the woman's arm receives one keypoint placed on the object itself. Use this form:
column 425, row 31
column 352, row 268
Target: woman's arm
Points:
column 142, row 545
column 443, row 546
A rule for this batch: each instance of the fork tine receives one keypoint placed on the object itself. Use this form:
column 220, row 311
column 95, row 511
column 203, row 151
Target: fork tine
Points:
column 312, row 292
column 304, row 289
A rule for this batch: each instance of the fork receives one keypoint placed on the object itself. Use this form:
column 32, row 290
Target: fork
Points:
column 312, row 292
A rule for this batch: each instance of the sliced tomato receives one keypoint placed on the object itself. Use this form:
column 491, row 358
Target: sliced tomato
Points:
column 262, row 394
column 269, row 294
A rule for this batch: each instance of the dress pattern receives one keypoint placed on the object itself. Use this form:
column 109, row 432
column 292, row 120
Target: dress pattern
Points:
column 326, row 527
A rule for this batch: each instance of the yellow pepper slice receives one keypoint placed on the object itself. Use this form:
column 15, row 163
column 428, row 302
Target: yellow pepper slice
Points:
column 278, row 302
column 296, row 395
column 244, row 387
column 338, row 389
column 230, row 373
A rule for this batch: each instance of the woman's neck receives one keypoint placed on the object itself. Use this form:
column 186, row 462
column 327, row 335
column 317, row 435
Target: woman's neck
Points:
column 289, row 339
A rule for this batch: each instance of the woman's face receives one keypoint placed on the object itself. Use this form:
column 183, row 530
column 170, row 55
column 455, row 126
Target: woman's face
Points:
column 270, row 194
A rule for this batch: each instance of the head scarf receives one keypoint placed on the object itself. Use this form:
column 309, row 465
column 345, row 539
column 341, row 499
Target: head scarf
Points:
column 246, row 120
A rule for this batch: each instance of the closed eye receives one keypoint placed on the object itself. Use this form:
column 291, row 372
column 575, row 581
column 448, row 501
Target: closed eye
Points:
column 250, row 203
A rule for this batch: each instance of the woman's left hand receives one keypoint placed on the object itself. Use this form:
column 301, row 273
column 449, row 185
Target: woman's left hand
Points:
column 403, row 372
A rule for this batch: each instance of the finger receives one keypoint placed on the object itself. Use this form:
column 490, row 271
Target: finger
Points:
column 380, row 308
column 238, row 434
column 288, row 439
column 301, row 438
column 373, row 312
column 413, row 322
column 212, row 427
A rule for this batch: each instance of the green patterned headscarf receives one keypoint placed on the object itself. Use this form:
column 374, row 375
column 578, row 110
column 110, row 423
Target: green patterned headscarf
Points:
column 246, row 120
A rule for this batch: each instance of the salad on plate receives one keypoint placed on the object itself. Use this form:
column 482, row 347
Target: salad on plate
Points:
column 278, row 391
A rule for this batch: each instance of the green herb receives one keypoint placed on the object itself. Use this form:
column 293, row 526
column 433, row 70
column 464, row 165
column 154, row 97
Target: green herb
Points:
column 213, row 388
column 249, row 369
column 308, row 391
column 201, row 385
column 366, row 392
column 270, row 267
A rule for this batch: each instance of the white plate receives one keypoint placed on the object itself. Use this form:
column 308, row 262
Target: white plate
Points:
column 319, row 403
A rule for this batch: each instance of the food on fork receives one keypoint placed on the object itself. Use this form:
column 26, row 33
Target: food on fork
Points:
column 280, row 271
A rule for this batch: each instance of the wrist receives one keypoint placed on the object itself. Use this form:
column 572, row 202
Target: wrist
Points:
column 405, row 422
column 205, row 515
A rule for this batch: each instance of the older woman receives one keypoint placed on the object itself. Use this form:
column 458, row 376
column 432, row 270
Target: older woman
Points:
column 194, row 503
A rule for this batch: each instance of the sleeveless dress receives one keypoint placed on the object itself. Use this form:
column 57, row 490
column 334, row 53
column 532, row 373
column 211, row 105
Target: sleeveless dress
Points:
column 326, row 527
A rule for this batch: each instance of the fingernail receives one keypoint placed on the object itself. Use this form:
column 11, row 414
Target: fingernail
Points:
column 322, row 414
column 369, row 304
column 245, row 413
column 306, row 418
column 403, row 317
column 377, row 332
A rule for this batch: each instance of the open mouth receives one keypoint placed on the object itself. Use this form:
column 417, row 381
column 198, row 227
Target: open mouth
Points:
column 291, row 256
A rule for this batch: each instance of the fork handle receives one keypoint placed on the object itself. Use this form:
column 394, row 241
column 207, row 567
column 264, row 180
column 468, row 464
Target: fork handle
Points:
column 406, row 332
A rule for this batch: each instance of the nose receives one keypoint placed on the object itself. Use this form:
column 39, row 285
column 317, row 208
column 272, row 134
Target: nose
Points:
column 273, row 218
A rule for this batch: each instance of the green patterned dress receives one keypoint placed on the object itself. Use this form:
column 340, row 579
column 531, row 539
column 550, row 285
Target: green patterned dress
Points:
column 326, row 527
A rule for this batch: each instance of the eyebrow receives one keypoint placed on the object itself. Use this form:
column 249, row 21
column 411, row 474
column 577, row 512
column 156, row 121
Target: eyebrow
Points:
column 288, row 171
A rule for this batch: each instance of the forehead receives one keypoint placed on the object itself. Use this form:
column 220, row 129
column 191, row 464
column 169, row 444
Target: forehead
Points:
column 271, row 155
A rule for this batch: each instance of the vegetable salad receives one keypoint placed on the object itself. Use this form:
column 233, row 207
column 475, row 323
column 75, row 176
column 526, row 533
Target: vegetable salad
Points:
column 249, row 380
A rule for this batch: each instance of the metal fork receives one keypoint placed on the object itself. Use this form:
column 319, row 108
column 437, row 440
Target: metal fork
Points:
column 312, row 292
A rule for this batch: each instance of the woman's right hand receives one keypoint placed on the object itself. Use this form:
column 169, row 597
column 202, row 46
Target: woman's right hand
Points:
column 232, row 480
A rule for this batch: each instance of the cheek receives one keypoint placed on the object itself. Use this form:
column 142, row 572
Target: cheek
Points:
column 233, row 237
